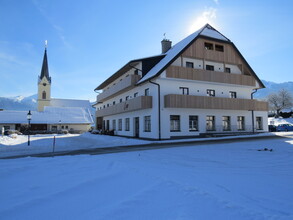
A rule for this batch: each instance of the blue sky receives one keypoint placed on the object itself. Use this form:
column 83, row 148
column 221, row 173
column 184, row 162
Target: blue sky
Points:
column 91, row 39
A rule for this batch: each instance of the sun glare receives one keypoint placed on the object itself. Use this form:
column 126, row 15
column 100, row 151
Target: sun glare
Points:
column 207, row 16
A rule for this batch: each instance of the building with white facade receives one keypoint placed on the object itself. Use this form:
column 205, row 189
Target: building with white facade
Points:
column 202, row 85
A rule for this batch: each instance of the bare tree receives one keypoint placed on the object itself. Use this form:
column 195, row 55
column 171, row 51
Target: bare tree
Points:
column 280, row 100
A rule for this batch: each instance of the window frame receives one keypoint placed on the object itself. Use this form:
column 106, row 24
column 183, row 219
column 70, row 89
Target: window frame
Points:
column 240, row 123
column 184, row 90
column 259, row 123
column 212, row 126
column 233, row 94
column 193, row 123
column 147, row 123
column 208, row 46
column 189, row 64
column 210, row 67
column 127, row 124
column 211, row 92
column 226, row 123
column 175, row 123
column 120, row 124
column 219, row 48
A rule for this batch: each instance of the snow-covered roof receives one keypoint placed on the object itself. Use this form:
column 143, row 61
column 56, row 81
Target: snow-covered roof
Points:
column 70, row 103
column 50, row 115
column 207, row 31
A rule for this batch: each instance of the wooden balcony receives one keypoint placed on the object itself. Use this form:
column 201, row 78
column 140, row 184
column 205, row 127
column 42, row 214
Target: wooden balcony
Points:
column 137, row 103
column 207, row 102
column 209, row 76
column 122, row 86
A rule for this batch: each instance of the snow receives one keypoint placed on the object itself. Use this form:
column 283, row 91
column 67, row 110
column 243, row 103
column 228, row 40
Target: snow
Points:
column 213, row 34
column 50, row 115
column 231, row 180
column 277, row 121
column 70, row 103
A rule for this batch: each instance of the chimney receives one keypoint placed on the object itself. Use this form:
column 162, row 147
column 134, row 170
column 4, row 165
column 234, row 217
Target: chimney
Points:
column 166, row 45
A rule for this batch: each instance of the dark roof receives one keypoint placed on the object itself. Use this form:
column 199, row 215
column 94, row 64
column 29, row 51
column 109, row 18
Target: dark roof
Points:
column 45, row 68
column 147, row 64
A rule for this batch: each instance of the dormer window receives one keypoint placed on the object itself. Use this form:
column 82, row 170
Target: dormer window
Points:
column 208, row 46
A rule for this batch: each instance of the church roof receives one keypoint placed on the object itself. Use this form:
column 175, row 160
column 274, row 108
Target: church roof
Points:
column 50, row 115
column 45, row 68
column 70, row 103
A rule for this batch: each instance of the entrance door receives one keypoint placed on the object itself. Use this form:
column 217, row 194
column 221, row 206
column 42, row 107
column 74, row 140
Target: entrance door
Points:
column 136, row 127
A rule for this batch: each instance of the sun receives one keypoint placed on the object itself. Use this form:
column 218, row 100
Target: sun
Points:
column 209, row 15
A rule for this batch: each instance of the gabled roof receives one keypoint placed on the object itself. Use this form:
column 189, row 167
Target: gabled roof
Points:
column 70, row 103
column 171, row 55
column 45, row 68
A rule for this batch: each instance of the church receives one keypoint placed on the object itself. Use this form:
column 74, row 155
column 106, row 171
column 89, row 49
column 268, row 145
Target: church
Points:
column 52, row 114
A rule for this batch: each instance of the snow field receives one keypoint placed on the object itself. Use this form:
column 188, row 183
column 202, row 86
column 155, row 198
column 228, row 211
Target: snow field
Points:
column 221, row 181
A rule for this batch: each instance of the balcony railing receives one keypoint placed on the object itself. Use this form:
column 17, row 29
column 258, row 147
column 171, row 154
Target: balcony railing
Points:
column 137, row 103
column 208, row 102
column 210, row 76
column 122, row 86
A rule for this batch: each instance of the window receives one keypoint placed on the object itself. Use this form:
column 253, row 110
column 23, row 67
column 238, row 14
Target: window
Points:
column 211, row 92
column 147, row 92
column 193, row 123
column 108, row 105
column 66, row 127
column 121, row 100
column 189, row 64
column 185, row 90
column 127, row 124
column 219, row 48
column 147, row 123
column 6, row 127
column 114, row 102
column 114, row 124
column 120, row 125
column 259, row 123
column 208, row 46
column 227, row 70
column 62, row 127
column 174, row 123
column 104, row 106
column 210, row 120
column 135, row 94
column 240, row 123
column 210, row 67
column 127, row 97
column 233, row 95
column 44, row 95
column 226, row 123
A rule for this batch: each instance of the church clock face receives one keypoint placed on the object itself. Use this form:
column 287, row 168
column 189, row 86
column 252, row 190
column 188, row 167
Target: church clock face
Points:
column 44, row 84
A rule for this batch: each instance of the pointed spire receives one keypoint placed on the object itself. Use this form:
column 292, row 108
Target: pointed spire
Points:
column 45, row 68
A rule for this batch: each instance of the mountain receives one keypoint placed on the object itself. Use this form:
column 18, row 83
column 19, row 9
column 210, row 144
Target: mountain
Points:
column 20, row 103
column 272, row 87
column 30, row 103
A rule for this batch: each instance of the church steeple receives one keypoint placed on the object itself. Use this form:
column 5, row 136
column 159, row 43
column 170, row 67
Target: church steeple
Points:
column 44, row 84
column 45, row 68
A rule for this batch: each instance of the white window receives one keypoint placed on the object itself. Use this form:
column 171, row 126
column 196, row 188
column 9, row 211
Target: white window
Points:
column 185, row 90
column 210, row 120
column 127, row 124
column 226, row 123
column 147, row 123
column 174, row 123
column 241, row 123
column 120, row 124
column 193, row 123
column 233, row 95
column 259, row 123
column 211, row 92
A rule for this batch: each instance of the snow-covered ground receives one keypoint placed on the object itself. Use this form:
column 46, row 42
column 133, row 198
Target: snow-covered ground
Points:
column 14, row 146
column 235, row 180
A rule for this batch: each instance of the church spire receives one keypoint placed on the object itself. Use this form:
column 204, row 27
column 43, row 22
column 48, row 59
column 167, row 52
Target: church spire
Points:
column 45, row 68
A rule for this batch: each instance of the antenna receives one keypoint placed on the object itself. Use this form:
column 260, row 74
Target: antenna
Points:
column 164, row 36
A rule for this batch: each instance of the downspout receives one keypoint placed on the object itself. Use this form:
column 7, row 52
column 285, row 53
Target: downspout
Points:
column 159, row 106
column 252, row 112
